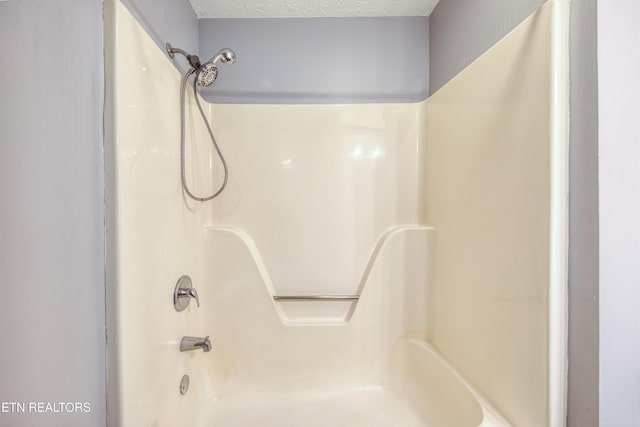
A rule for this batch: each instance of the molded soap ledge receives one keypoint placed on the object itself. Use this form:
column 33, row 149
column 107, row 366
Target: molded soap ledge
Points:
column 328, row 311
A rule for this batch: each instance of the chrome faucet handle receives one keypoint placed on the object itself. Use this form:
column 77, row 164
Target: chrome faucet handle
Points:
column 191, row 292
column 183, row 292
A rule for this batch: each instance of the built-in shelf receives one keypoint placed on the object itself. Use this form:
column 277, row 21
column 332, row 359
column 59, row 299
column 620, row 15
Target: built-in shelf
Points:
column 323, row 309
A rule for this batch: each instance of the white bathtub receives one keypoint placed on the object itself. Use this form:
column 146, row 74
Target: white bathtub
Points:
column 439, row 393
column 342, row 366
column 424, row 390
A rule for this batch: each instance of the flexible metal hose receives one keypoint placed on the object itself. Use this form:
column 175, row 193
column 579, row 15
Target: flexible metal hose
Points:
column 183, row 90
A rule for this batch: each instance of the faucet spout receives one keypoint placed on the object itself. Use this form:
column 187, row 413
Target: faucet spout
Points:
column 195, row 343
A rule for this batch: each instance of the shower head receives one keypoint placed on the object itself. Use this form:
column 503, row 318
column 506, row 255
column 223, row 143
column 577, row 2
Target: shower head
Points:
column 227, row 56
column 208, row 72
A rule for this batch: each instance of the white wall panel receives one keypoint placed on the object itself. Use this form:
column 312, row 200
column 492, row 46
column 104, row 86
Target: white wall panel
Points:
column 488, row 183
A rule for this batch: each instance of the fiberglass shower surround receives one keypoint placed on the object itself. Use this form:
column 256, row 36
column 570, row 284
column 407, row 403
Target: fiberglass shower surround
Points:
column 371, row 264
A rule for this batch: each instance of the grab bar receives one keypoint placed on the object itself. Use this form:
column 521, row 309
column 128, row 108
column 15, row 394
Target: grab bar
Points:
column 286, row 298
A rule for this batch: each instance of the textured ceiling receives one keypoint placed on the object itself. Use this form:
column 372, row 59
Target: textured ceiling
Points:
column 310, row 8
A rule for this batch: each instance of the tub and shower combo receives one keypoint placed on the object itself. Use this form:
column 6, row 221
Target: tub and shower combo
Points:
column 387, row 264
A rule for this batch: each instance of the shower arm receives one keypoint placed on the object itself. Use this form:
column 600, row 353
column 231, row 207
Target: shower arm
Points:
column 173, row 50
column 194, row 61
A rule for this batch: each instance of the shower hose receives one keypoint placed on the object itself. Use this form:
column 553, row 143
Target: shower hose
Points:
column 183, row 90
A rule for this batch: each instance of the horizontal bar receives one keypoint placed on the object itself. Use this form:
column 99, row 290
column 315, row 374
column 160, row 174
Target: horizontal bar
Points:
column 316, row 297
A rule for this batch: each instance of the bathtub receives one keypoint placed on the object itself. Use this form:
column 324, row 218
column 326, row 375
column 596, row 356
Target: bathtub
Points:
column 331, row 364
column 422, row 390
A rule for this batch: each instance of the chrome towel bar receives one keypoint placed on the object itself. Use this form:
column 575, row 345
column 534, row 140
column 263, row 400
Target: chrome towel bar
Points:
column 285, row 298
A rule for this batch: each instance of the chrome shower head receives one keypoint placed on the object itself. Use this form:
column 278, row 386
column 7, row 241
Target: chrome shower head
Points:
column 207, row 74
column 226, row 55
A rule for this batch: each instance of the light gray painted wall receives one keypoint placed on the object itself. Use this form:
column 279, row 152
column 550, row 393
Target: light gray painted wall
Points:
column 619, row 175
column 51, row 217
column 114, row 410
column 319, row 60
column 583, row 218
column 461, row 30
column 168, row 21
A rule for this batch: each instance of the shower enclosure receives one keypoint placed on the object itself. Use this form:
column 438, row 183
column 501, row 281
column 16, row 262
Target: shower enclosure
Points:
column 390, row 264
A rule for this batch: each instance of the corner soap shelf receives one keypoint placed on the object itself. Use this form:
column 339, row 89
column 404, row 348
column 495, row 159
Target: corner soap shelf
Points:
column 316, row 309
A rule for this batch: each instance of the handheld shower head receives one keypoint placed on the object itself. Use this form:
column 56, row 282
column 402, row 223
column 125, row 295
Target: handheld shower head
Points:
column 208, row 72
column 227, row 56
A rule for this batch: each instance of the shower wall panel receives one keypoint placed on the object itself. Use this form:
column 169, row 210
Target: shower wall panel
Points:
column 315, row 186
column 156, row 229
column 327, row 199
column 488, row 192
column 264, row 346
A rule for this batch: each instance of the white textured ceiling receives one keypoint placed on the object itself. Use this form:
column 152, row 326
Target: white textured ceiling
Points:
column 310, row 8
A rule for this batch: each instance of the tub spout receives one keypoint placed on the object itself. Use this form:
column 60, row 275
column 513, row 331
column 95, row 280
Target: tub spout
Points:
column 195, row 343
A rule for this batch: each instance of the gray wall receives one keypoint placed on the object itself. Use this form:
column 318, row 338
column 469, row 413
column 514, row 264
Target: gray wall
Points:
column 461, row 30
column 51, row 221
column 619, row 137
column 329, row 60
column 583, row 218
column 323, row 60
